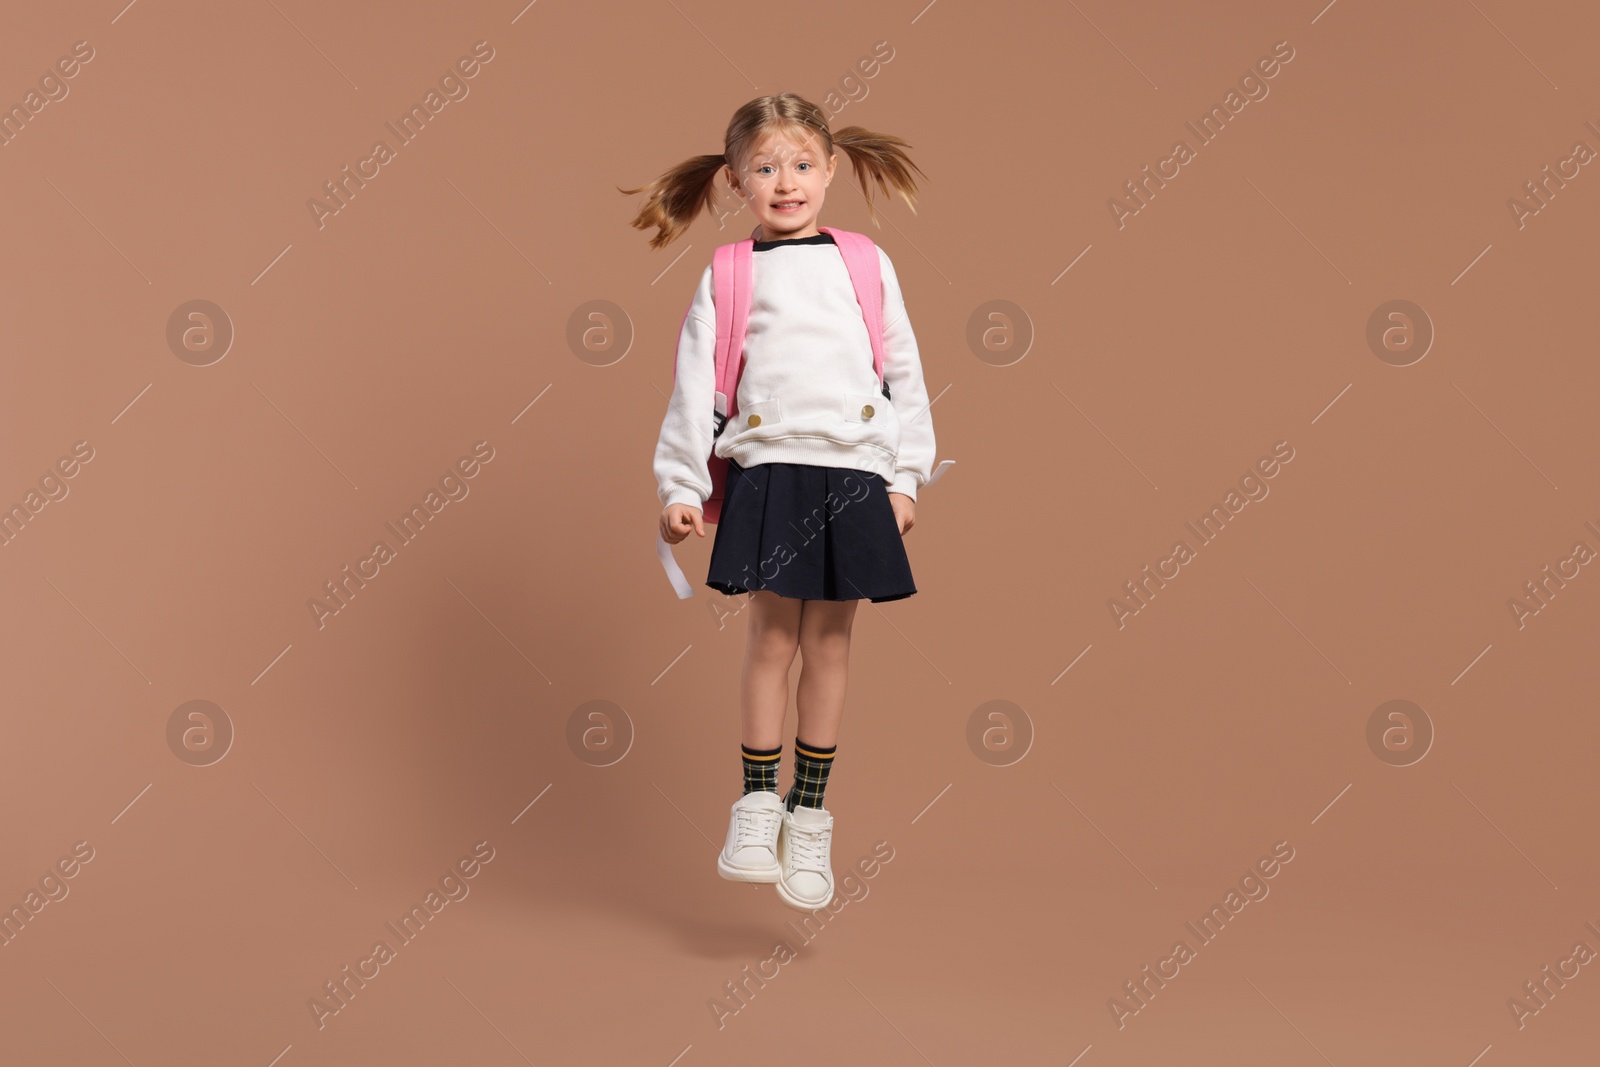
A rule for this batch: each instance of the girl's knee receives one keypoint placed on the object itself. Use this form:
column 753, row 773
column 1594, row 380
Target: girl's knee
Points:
column 825, row 629
column 824, row 644
column 775, row 629
column 774, row 644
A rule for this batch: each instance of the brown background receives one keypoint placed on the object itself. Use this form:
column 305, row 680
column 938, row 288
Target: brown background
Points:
column 371, row 353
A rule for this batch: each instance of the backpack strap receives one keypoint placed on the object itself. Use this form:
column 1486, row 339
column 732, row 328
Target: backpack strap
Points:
column 866, row 275
column 733, row 274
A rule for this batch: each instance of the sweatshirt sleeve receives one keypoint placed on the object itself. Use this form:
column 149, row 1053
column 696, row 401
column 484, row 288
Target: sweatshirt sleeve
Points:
column 902, row 372
column 683, row 451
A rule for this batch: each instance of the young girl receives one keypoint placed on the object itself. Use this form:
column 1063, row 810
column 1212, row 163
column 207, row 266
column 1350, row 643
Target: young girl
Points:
column 823, row 468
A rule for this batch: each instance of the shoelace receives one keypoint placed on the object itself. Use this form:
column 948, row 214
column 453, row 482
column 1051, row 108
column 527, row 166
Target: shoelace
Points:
column 808, row 847
column 754, row 827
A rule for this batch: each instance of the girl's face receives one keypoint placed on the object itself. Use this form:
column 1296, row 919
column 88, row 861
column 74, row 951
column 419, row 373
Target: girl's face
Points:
column 784, row 182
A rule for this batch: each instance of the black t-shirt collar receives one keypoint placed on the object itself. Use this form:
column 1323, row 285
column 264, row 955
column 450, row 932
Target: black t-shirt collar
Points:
column 814, row 239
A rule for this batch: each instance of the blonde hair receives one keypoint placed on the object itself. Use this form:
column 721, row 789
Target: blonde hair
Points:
column 674, row 198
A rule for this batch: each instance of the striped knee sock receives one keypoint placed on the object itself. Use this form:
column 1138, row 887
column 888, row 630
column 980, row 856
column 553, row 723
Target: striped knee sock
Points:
column 760, row 768
column 811, row 766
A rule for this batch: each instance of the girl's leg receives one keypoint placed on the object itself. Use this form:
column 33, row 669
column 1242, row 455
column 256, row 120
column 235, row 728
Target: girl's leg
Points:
column 769, row 652
column 824, row 668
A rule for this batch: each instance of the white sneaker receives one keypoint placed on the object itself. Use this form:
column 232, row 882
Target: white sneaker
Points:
column 750, row 853
column 804, row 844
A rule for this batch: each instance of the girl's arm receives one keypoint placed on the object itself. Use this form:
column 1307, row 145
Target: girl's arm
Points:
column 683, row 451
column 902, row 372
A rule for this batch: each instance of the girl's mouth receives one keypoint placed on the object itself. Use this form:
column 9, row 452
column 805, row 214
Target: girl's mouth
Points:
column 788, row 207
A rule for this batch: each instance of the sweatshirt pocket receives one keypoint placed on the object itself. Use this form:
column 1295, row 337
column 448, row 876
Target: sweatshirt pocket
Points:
column 761, row 413
column 867, row 407
column 875, row 413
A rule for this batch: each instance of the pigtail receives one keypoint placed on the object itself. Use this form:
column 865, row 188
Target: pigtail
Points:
column 880, row 158
column 676, row 197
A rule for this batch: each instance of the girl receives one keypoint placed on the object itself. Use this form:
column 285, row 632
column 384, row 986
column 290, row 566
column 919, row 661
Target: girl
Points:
column 823, row 469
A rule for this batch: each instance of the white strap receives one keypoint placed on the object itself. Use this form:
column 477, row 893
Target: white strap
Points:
column 670, row 564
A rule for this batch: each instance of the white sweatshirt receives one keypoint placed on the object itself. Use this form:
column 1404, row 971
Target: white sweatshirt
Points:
column 808, row 393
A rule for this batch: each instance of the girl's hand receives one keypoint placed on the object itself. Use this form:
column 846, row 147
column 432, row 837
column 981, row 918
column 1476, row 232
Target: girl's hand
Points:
column 905, row 511
column 677, row 520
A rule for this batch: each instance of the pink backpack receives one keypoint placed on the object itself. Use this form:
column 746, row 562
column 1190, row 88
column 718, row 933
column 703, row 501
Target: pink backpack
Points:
column 732, row 274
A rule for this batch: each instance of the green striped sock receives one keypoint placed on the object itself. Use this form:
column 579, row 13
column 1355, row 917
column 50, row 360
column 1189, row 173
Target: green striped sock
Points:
column 760, row 768
column 811, row 767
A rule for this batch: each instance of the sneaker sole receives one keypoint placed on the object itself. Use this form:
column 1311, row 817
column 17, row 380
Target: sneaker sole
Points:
column 747, row 874
column 796, row 903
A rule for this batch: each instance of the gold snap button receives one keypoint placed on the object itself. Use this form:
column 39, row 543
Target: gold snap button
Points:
column 866, row 411
column 754, row 420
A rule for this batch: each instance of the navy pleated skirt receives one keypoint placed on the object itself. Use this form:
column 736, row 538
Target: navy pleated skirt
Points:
column 810, row 533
